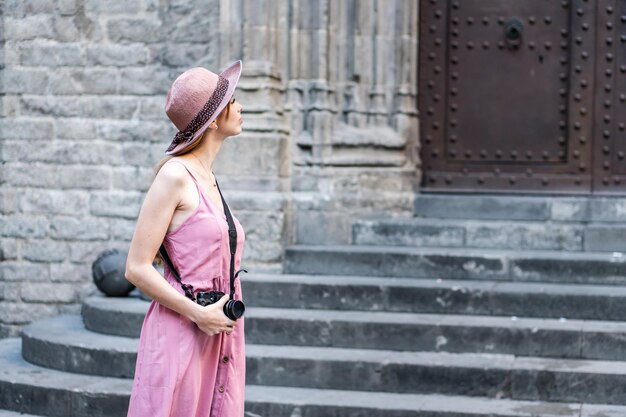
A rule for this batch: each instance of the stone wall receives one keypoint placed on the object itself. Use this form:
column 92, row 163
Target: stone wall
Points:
column 328, row 91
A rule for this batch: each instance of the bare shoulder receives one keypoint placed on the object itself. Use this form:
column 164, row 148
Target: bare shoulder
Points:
column 171, row 176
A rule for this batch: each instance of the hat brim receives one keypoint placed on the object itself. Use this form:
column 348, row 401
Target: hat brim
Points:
column 232, row 74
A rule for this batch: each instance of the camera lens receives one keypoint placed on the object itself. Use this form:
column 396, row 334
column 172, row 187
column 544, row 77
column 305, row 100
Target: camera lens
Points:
column 234, row 309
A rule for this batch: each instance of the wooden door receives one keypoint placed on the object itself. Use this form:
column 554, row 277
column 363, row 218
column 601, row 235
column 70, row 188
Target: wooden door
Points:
column 522, row 96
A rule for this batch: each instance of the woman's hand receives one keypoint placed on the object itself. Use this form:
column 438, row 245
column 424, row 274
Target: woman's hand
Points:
column 212, row 320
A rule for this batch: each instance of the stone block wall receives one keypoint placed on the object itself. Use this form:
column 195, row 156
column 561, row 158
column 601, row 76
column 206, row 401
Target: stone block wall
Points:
column 83, row 87
column 331, row 126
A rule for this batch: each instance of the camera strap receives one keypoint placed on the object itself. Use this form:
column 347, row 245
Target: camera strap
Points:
column 187, row 288
column 232, row 241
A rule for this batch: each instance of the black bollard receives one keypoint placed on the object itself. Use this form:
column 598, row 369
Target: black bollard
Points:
column 109, row 273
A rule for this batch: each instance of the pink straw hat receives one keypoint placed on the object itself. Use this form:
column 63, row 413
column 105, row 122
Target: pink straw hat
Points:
column 195, row 100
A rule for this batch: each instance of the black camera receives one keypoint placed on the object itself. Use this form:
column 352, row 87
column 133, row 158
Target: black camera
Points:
column 233, row 308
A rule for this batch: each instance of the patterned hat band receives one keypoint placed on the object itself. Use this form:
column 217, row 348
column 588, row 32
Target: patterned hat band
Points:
column 204, row 115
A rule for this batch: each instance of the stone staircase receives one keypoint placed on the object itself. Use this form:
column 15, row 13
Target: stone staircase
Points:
column 427, row 316
column 506, row 299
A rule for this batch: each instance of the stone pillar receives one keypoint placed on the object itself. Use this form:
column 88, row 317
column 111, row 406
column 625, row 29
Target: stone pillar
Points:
column 256, row 163
column 404, row 113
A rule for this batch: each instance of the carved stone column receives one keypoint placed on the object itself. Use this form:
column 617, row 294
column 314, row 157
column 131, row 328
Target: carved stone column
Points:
column 257, row 161
column 356, row 135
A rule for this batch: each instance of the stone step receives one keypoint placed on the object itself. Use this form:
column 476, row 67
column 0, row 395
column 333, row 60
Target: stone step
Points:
column 468, row 374
column 556, row 338
column 124, row 316
column 455, row 263
column 467, row 233
column 289, row 402
column 429, row 295
column 7, row 413
column 118, row 316
column 493, row 207
column 490, row 234
column 28, row 388
column 63, row 343
column 487, row 375
column 508, row 207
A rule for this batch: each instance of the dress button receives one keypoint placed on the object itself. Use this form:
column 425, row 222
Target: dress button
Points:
column 221, row 388
column 225, row 359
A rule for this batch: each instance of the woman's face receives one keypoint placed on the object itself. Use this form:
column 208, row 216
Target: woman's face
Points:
column 230, row 124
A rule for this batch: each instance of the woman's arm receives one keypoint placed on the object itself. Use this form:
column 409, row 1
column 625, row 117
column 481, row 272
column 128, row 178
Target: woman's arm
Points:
column 154, row 218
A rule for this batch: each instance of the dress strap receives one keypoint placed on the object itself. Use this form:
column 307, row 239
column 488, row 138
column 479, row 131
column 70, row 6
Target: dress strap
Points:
column 200, row 192
column 203, row 196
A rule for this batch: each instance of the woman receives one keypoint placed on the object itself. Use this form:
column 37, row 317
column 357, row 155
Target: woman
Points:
column 191, row 358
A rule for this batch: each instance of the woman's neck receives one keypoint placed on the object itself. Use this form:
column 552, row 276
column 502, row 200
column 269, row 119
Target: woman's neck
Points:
column 207, row 152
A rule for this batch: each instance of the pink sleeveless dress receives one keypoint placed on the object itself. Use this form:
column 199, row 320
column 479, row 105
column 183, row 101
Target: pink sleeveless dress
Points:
column 180, row 370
